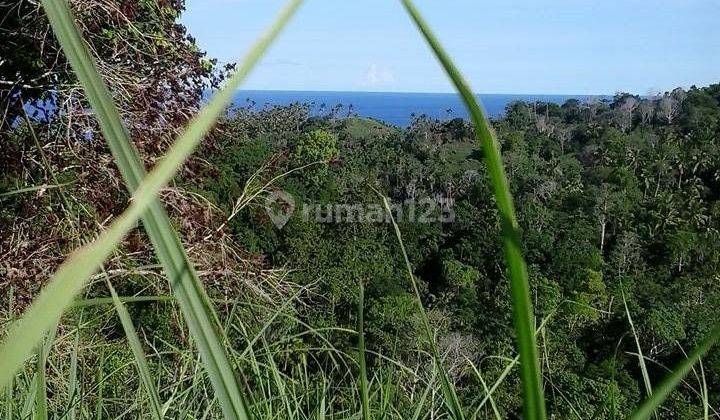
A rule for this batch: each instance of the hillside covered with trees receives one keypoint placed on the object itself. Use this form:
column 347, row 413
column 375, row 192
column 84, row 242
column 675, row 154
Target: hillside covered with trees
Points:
column 618, row 203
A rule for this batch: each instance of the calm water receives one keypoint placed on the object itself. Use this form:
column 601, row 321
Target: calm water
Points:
column 393, row 108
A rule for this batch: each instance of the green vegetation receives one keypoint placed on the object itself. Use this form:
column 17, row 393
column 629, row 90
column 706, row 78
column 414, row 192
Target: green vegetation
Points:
column 533, row 400
column 384, row 292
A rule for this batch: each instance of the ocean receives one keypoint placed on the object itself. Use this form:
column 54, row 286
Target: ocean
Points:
column 390, row 107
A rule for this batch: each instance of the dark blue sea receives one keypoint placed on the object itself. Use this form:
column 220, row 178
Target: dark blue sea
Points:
column 393, row 108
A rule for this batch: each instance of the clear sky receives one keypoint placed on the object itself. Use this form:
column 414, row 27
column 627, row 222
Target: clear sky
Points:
column 502, row 46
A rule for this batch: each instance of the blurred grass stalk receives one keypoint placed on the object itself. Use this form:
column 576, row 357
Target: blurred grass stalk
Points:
column 533, row 400
column 72, row 275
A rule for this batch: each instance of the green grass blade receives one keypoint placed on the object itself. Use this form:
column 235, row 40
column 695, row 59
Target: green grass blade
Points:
column 364, row 395
column 73, row 388
column 9, row 401
column 674, row 379
column 35, row 189
column 488, row 394
column 510, row 365
column 534, row 403
column 421, row 404
column 41, row 409
column 29, row 401
column 65, row 284
column 140, row 359
column 100, row 400
column 190, row 294
column 72, row 275
column 704, row 388
column 641, row 357
column 451, row 399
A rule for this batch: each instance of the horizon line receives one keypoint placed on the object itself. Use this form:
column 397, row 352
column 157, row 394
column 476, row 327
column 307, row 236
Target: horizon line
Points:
column 429, row 92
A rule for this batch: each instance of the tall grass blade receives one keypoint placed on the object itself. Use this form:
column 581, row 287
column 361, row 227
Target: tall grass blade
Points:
column 278, row 380
column 65, row 284
column 534, row 403
column 509, row 367
column 364, row 395
column 322, row 408
column 451, row 399
column 74, row 272
column 41, row 409
column 386, row 393
column 421, row 404
column 486, row 389
column 100, row 399
column 9, row 400
column 29, row 402
column 73, row 394
column 673, row 379
column 704, row 388
column 700, row 377
column 641, row 357
column 140, row 359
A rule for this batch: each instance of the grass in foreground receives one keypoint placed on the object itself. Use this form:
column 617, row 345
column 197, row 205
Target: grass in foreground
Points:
column 71, row 277
column 35, row 332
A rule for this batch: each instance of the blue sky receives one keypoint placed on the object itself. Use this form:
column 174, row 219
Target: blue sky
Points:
column 513, row 46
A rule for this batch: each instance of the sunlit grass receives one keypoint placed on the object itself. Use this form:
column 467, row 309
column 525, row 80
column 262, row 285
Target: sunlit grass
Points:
column 278, row 395
column 71, row 277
